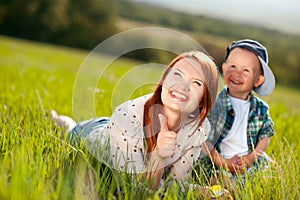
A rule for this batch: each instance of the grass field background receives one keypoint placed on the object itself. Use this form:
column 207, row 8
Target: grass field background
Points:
column 36, row 163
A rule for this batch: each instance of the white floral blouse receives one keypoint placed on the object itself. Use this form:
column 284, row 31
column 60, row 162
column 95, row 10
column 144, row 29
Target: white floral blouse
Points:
column 125, row 130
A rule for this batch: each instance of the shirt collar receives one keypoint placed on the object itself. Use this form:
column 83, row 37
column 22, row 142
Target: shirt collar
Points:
column 227, row 103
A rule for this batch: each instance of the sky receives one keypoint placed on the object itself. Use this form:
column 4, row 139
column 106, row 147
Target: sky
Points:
column 283, row 15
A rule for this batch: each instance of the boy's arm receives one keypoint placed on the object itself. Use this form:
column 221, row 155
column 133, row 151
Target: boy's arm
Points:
column 265, row 133
column 218, row 160
column 260, row 148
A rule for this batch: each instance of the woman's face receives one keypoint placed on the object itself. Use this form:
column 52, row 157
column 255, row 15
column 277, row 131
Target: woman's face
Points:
column 183, row 87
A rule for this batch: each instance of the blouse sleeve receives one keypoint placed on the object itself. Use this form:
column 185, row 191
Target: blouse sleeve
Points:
column 183, row 166
column 126, row 141
column 181, row 169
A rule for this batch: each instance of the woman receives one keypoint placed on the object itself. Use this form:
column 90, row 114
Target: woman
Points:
column 160, row 134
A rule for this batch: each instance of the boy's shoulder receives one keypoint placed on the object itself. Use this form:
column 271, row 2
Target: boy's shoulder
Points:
column 223, row 102
column 256, row 103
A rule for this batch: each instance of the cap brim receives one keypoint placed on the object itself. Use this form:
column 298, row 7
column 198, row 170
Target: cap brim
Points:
column 268, row 85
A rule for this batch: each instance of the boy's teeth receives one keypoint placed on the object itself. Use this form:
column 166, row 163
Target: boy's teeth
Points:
column 236, row 82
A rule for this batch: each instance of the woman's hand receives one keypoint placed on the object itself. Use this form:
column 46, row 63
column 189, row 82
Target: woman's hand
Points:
column 166, row 140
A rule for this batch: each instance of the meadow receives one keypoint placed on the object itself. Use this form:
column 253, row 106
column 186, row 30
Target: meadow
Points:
column 36, row 162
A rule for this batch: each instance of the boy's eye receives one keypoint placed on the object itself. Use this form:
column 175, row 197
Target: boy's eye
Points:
column 233, row 66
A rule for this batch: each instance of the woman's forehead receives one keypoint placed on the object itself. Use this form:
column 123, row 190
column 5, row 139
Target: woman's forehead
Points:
column 189, row 66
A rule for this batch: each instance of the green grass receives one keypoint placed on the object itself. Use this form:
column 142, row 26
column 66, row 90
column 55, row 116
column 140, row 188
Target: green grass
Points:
column 36, row 163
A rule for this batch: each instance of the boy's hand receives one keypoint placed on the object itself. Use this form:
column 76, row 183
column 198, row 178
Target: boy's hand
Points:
column 166, row 140
column 233, row 164
column 244, row 161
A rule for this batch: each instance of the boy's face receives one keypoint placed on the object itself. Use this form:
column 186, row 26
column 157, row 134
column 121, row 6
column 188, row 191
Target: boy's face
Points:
column 242, row 72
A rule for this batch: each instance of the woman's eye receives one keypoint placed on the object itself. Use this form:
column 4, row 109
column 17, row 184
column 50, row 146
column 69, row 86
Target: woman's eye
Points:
column 177, row 73
column 198, row 83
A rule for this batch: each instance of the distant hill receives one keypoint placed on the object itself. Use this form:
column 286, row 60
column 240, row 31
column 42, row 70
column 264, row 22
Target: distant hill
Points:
column 216, row 34
column 277, row 15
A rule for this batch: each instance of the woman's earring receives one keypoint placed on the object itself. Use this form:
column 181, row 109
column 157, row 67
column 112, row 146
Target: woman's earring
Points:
column 192, row 116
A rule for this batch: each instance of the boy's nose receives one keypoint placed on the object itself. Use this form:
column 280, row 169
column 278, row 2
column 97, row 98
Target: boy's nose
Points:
column 237, row 74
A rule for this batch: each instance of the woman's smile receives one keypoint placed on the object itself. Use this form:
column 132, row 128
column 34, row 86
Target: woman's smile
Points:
column 178, row 96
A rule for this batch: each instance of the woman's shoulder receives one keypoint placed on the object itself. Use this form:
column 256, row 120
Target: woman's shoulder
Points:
column 133, row 104
column 206, row 125
column 129, row 115
column 195, row 135
column 205, row 129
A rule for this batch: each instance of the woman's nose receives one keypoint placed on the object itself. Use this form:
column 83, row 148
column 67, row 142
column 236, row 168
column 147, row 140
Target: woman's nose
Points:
column 185, row 85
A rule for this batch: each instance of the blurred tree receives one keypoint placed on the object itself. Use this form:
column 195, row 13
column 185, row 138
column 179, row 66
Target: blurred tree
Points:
column 80, row 23
column 91, row 20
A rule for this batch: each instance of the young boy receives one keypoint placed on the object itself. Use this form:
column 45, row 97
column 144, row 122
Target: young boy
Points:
column 241, row 124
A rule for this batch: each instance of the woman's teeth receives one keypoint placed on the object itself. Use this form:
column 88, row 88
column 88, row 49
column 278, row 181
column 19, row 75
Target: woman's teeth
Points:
column 179, row 96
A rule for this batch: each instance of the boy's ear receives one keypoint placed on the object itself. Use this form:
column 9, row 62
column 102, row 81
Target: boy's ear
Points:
column 223, row 67
column 260, row 79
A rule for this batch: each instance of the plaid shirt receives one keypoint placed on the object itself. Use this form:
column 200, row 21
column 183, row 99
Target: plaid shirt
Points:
column 222, row 115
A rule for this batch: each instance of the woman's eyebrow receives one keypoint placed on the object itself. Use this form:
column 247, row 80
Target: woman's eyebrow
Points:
column 179, row 71
column 196, row 79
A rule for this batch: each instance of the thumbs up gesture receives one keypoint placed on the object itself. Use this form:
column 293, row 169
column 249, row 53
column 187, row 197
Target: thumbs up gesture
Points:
column 166, row 140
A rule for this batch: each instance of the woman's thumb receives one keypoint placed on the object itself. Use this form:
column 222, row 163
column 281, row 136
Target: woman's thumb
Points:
column 163, row 122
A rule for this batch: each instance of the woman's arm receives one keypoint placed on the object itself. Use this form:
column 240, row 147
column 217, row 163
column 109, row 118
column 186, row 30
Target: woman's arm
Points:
column 127, row 156
column 126, row 151
column 165, row 147
column 155, row 168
